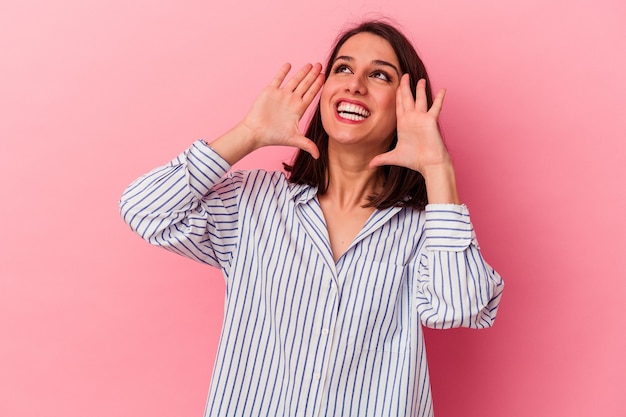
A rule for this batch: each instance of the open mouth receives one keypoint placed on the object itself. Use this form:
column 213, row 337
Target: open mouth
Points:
column 351, row 111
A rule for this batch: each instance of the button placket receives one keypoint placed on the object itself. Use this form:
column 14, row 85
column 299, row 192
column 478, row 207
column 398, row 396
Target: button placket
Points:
column 323, row 329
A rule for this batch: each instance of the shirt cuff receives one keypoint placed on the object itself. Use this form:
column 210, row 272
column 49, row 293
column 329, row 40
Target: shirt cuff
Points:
column 448, row 228
column 205, row 167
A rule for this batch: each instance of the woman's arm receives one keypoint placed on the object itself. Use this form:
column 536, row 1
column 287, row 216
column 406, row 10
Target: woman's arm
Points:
column 455, row 286
column 187, row 206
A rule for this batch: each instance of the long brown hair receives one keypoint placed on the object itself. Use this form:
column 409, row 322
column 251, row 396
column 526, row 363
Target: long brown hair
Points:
column 402, row 186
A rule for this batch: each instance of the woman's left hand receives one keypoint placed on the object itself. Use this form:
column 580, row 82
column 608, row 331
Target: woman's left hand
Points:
column 420, row 146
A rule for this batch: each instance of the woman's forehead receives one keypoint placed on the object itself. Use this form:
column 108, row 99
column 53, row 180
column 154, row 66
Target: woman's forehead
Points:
column 369, row 47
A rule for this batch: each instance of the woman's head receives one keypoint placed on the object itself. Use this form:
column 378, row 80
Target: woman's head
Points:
column 410, row 62
column 358, row 101
column 402, row 186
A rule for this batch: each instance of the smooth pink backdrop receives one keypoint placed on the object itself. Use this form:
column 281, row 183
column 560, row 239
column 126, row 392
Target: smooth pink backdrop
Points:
column 94, row 322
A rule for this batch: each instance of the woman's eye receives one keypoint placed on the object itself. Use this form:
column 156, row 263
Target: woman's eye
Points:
column 342, row 68
column 381, row 75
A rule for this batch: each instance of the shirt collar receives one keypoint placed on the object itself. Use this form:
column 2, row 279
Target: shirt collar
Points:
column 301, row 193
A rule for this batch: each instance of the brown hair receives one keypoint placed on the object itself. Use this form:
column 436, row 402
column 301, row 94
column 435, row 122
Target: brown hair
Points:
column 402, row 186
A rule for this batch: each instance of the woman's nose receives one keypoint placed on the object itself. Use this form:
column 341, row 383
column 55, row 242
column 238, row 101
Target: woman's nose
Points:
column 356, row 85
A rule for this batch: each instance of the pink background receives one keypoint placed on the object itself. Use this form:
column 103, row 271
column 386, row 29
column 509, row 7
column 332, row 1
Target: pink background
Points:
column 94, row 322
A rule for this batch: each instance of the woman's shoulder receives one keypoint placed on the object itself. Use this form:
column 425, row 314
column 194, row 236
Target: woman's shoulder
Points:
column 265, row 181
column 264, row 185
column 260, row 176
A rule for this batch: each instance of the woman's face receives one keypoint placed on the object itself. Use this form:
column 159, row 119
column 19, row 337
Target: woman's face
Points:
column 358, row 101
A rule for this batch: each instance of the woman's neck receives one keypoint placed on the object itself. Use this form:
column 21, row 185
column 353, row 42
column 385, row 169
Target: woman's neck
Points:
column 350, row 179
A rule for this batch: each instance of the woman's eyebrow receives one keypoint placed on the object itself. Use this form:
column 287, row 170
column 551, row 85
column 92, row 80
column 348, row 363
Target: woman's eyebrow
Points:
column 376, row 62
column 387, row 64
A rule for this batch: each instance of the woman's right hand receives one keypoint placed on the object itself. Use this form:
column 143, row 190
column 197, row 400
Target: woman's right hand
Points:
column 274, row 117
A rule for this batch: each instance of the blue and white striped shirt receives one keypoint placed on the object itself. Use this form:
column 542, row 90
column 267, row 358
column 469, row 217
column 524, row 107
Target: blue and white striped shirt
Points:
column 303, row 335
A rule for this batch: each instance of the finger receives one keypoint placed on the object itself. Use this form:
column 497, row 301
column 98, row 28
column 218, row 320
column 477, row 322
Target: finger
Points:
column 310, row 94
column 306, row 145
column 421, row 103
column 399, row 101
column 308, row 80
column 386, row 158
column 280, row 75
column 408, row 103
column 294, row 81
column 435, row 109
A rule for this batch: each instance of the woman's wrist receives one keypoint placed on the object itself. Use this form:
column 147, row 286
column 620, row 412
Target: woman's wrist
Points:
column 235, row 144
column 441, row 184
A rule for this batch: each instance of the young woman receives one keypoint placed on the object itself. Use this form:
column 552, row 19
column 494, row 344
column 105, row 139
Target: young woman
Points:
column 332, row 269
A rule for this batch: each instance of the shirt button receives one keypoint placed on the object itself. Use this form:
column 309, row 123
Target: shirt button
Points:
column 317, row 375
column 324, row 331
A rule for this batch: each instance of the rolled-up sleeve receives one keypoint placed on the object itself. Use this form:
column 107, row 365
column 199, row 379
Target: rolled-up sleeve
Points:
column 188, row 206
column 456, row 287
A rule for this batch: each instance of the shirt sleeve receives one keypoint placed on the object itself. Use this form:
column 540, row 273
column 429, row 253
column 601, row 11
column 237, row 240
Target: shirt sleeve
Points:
column 188, row 206
column 456, row 287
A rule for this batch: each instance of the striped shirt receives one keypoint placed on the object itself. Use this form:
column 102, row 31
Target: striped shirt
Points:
column 304, row 335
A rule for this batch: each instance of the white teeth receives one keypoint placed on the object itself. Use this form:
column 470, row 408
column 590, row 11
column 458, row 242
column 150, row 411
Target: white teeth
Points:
column 351, row 116
column 352, row 111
